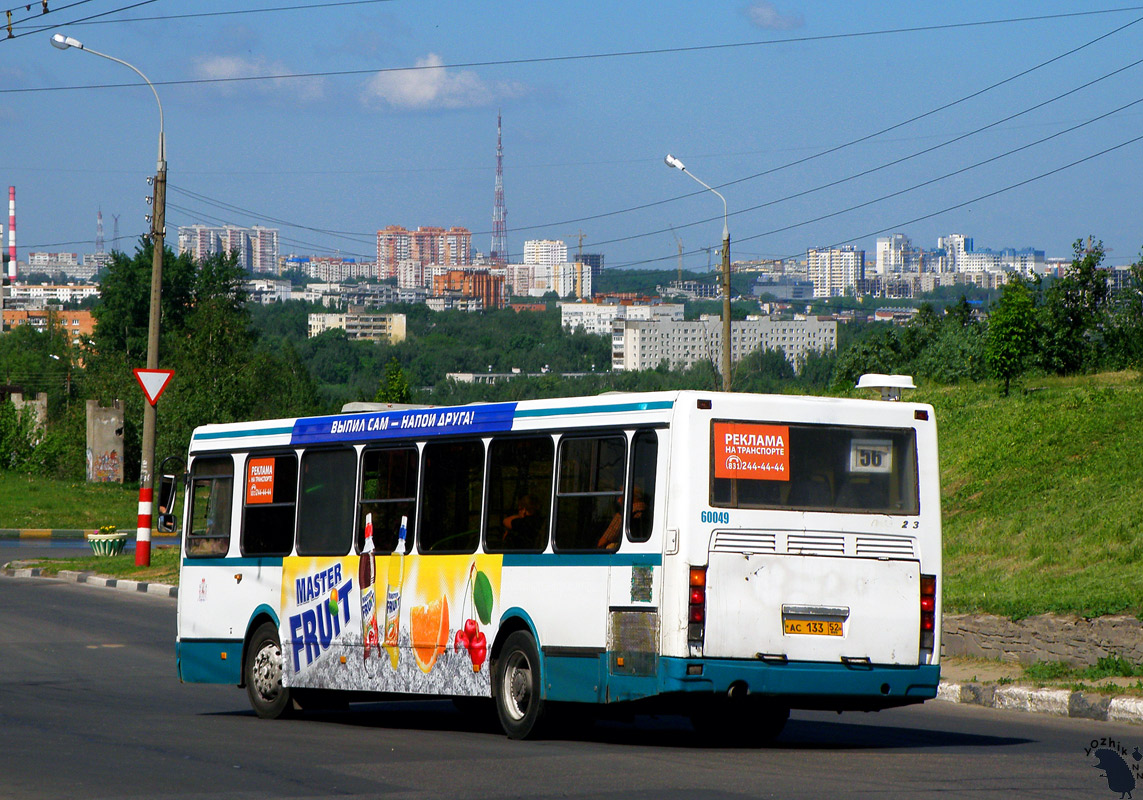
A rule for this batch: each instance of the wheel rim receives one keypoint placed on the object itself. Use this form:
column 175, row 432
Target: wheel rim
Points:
column 517, row 686
column 266, row 672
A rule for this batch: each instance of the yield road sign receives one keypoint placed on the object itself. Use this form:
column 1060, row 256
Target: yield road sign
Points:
column 153, row 381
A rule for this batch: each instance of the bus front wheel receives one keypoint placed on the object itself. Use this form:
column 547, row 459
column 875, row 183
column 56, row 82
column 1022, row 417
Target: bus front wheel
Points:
column 516, row 687
column 263, row 674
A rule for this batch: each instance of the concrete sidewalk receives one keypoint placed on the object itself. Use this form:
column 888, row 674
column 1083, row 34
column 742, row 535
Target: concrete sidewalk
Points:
column 15, row 570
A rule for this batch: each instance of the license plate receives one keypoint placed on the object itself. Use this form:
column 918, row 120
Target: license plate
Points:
column 812, row 627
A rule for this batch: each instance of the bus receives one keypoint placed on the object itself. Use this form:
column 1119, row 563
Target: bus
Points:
column 724, row 556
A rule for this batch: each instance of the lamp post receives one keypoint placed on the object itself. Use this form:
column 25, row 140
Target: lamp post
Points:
column 673, row 162
column 158, row 230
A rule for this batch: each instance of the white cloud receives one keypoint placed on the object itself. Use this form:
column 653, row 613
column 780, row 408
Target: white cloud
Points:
column 765, row 15
column 431, row 85
column 221, row 67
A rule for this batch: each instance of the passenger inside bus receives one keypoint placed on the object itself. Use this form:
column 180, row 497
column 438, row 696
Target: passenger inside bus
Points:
column 610, row 538
column 523, row 529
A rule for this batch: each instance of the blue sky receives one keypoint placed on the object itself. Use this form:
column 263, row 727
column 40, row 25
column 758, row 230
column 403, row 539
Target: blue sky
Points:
column 734, row 89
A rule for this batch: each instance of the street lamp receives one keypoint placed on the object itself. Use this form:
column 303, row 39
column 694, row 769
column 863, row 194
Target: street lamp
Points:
column 158, row 230
column 674, row 163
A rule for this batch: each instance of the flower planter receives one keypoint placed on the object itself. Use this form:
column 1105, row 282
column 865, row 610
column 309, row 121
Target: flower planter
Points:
column 107, row 544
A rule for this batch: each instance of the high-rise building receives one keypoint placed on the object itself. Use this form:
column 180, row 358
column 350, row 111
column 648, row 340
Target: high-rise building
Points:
column 256, row 248
column 425, row 245
column 956, row 246
column 545, row 252
column 896, row 254
column 263, row 249
column 835, row 271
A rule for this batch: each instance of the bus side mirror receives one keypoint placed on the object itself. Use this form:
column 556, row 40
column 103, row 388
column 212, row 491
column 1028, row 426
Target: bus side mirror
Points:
column 168, row 496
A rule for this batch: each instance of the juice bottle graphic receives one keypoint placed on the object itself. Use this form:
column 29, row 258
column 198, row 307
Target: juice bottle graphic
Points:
column 366, row 575
column 393, row 595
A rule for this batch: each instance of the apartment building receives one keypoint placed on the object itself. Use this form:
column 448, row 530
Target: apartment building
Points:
column 644, row 344
column 360, row 324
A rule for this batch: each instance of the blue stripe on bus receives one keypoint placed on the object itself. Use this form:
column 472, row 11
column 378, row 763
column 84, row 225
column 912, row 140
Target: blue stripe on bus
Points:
column 209, row 660
column 405, row 423
column 241, row 434
column 582, row 559
column 658, row 405
column 223, row 561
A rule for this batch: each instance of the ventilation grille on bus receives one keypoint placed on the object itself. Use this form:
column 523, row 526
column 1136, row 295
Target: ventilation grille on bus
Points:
column 819, row 544
column 887, row 546
column 814, row 543
column 745, row 542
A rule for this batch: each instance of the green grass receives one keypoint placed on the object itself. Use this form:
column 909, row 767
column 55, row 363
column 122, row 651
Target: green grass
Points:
column 164, row 565
column 1041, row 496
column 1107, row 667
column 27, row 502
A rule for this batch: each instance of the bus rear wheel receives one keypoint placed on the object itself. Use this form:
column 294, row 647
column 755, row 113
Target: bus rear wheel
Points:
column 516, row 687
column 262, row 673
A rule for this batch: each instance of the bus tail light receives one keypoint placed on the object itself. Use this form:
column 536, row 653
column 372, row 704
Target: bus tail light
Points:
column 928, row 611
column 696, row 609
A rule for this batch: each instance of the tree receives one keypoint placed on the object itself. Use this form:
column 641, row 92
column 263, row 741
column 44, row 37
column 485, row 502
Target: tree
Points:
column 1075, row 313
column 394, row 385
column 123, row 312
column 764, row 371
column 1125, row 330
column 1011, row 333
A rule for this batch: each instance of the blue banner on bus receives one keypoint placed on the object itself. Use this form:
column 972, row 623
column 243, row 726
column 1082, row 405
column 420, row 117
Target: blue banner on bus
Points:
column 485, row 418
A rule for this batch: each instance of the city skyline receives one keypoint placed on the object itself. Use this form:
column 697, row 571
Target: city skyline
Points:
column 591, row 101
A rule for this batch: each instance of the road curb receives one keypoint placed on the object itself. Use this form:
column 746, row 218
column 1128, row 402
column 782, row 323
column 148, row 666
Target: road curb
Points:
column 65, row 533
column 1055, row 702
column 120, row 584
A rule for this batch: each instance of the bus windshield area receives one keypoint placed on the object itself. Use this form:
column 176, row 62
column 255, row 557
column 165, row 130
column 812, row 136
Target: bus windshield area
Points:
column 814, row 467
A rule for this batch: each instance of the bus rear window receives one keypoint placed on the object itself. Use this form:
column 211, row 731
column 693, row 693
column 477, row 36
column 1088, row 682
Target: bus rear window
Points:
column 813, row 467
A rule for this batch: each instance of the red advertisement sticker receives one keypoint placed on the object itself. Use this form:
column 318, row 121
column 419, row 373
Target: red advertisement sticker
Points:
column 755, row 452
column 259, row 481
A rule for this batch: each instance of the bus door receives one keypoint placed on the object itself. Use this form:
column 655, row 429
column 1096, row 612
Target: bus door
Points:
column 635, row 580
column 209, row 648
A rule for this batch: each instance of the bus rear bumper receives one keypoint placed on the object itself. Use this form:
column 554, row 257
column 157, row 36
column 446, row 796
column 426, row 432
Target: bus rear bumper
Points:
column 804, row 684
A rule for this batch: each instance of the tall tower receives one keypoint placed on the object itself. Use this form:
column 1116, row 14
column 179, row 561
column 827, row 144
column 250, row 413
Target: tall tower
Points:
column 499, row 254
column 11, row 234
column 99, row 230
column 115, row 232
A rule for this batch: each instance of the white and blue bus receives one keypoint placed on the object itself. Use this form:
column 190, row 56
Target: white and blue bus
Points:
column 729, row 556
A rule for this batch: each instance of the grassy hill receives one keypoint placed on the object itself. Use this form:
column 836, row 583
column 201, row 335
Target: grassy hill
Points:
column 1042, row 496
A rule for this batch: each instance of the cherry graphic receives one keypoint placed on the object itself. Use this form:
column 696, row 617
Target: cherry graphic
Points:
column 478, row 650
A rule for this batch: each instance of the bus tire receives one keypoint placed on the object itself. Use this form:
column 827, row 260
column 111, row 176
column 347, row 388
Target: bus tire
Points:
column 516, row 687
column 262, row 674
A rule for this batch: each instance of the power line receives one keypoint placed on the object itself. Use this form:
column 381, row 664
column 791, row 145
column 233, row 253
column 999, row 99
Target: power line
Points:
column 907, row 158
column 578, row 56
column 851, row 143
column 921, row 218
column 77, row 21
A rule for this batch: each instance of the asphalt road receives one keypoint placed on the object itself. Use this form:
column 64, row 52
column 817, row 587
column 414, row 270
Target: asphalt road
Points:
column 90, row 707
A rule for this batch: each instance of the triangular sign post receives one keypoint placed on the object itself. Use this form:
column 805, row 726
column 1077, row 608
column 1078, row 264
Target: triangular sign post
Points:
column 153, row 381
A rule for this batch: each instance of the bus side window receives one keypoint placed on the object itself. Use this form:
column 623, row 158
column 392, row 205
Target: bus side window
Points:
column 268, row 507
column 388, row 492
column 519, row 494
column 641, row 503
column 326, row 505
column 451, row 495
column 589, row 495
column 211, row 491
